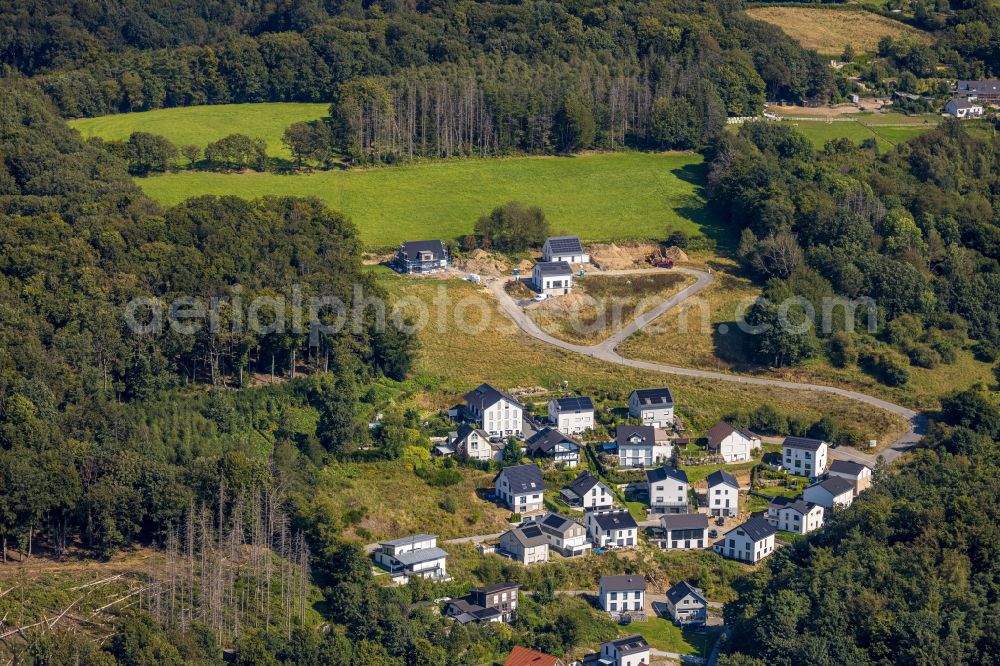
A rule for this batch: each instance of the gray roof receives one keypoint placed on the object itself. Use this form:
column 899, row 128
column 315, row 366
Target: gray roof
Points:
column 847, row 467
column 836, row 485
column 582, row 484
column 574, row 404
column 804, row 443
column 410, row 249
column 799, row 506
column 402, row 541
column 625, row 432
column 684, row 521
column 682, row 589
column 466, row 429
column 780, row 501
column 564, row 245
column 523, row 478
column 484, row 396
column 558, row 523
column 665, row 472
column 991, row 86
column 528, row 535
column 423, row 555
column 546, row 439
column 619, row 519
column 496, row 587
column 723, row 429
column 553, row 268
column 622, row 583
column 651, row 397
column 630, row 645
column 963, row 103
column 721, row 477
column 757, row 528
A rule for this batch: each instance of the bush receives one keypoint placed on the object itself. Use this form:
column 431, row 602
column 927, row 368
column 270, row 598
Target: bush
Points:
column 678, row 238
column 841, row 350
column 512, row 227
column 886, row 366
column 449, row 504
column 923, row 356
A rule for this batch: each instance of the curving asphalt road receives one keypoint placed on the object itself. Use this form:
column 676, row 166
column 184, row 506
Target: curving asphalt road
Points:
column 607, row 350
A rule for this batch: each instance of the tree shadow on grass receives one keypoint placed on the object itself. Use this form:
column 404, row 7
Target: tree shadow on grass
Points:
column 698, row 211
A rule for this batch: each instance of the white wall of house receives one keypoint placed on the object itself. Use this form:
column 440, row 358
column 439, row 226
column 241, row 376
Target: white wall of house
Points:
column 659, row 417
column 819, row 495
column 790, row 520
column 625, row 537
column 622, row 601
column 685, row 539
column 644, row 455
column 523, row 554
column 737, row 448
column 519, row 502
column 598, row 496
column 609, row 651
column 668, row 494
column 478, row 447
column 861, row 481
column 737, row 545
column 723, row 500
column 687, row 610
column 502, row 418
column 570, row 543
column 554, row 285
column 571, row 422
column 803, row 462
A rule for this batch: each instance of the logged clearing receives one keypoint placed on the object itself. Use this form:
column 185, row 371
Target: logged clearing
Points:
column 201, row 125
column 828, row 31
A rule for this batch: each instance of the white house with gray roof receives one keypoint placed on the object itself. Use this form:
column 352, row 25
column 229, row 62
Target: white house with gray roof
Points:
column 525, row 543
column 963, row 108
column 416, row 555
column 796, row 516
column 628, row 651
column 858, row 474
column 621, row 594
column 494, row 411
column 564, row 248
column 803, row 456
column 668, row 489
column 684, row 531
column 723, row 494
column 551, row 444
column 588, row 492
column 830, row 492
column 521, row 488
column 554, row 278
column 750, row 542
column 572, row 415
column 653, row 406
column 641, row 446
column 687, row 604
column 611, row 528
column 474, row 443
column 565, row 535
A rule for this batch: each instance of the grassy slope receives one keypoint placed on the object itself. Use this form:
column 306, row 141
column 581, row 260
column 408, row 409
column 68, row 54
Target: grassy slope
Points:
column 596, row 196
column 828, row 31
column 202, row 124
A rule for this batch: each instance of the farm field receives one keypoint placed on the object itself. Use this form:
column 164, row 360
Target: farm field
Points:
column 828, row 31
column 598, row 196
column 201, row 125
column 886, row 136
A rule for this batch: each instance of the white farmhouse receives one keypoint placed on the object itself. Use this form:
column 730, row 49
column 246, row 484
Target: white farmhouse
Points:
column 621, row 594
column 802, row 456
column 831, row 492
column 642, row 446
column 797, row 516
column 654, row 406
column 496, row 412
column 723, row 494
column 668, row 489
column 751, row 542
column 858, row 474
column 588, row 492
column 732, row 444
column 571, row 416
column 611, row 528
column 554, row 278
column 521, row 488
column 412, row 556
column 564, row 248
column 565, row 535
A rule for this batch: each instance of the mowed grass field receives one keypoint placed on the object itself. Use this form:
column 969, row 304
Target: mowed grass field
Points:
column 819, row 132
column 828, row 31
column 201, row 125
column 598, row 196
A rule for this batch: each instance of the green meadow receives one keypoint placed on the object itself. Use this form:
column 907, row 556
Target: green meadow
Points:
column 201, row 125
column 598, row 196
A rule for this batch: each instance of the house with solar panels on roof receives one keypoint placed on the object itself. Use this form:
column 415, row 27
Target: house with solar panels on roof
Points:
column 611, row 528
column 525, row 543
column 588, row 492
column 521, row 488
column 412, row 556
column 565, row 535
column 750, row 542
column 628, row 651
column 803, row 456
column 552, row 278
column 428, row 256
column 564, row 248
column 653, row 406
column 572, row 415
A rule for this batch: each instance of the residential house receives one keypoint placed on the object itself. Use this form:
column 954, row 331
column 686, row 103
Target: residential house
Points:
column 496, row 412
column 588, row 492
column 495, row 603
column 750, row 542
column 474, row 443
column 963, row 108
column 802, row 456
column 987, row 90
column 572, row 416
column 684, row 531
column 611, row 528
column 412, row 556
column 525, row 543
column 628, row 651
column 621, row 594
column 733, row 444
column 858, row 474
column 641, row 446
column 521, row 487
column 668, row 489
column 723, row 494
column 565, row 535
column 797, row 516
column 428, row 256
column 831, row 492
column 564, row 248
column 654, row 406
column 550, row 443
column 687, row 604
column 554, row 278
column 522, row 656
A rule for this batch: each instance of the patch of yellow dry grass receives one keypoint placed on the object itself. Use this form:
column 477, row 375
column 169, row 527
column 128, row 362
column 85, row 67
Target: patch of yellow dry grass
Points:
column 828, row 31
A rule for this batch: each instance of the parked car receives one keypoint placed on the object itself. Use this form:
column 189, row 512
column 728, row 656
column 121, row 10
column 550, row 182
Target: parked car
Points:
column 712, row 534
column 540, row 297
column 720, row 521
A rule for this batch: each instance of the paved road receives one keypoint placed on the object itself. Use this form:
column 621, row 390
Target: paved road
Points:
column 607, row 351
